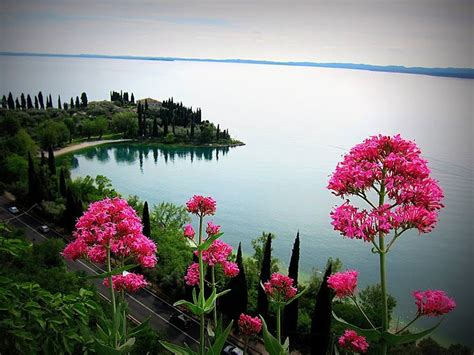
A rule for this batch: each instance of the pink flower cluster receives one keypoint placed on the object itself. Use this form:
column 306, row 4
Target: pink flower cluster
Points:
column 192, row 275
column 249, row 326
column 280, row 287
column 129, row 282
column 111, row 222
column 433, row 303
column 396, row 164
column 201, row 206
column 343, row 283
column 189, row 231
column 351, row 341
column 212, row 229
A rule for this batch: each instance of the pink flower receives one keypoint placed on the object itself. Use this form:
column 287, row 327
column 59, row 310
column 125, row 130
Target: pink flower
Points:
column 128, row 281
column 433, row 303
column 343, row 283
column 249, row 325
column 413, row 198
column 217, row 253
column 280, row 287
column 201, row 206
column 192, row 275
column 189, row 231
column 351, row 341
column 212, row 229
column 230, row 269
column 75, row 250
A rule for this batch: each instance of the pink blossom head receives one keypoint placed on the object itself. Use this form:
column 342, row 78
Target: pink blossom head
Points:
column 433, row 303
column 351, row 341
column 189, row 231
column 192, row 275
column 212, row 229
column 413, row 198
column 280, row 288
column 201, row 206
column 231, row 269
column 343, row 283
column 128, row 281
column 249, row 326
column 217, row 253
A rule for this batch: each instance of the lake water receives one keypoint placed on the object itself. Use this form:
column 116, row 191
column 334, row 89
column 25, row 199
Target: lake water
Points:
column 297, row 123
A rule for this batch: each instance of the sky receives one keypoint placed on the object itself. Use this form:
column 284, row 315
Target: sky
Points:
column 428, row 33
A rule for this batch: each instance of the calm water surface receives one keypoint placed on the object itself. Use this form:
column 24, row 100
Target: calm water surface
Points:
column 297, row 123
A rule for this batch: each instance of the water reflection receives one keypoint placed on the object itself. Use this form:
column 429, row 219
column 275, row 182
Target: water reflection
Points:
column 130, row 153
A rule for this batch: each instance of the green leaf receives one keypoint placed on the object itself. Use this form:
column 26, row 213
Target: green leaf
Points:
column 210, row 302
column 139, row 328
column 191, row 306
column 272, row 345
column 194, row 296
column 370, row 334
column 207, row 243
column 103, row 349
column 125, row 347
column 176, row 349
column 395, row 339
column 216, row 348
column 116, row 271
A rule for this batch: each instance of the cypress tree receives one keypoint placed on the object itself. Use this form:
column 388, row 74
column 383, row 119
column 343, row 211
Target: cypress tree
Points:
column 17, row 104
column 51, row 161
column 23, row 101
column 34, row 188
column 83, row 100
column 146, row 221
column 77, row 104
column 192, row 127
column 139, row 117
column 62, row 183
column 321, row 319
column 10, row 102
column 132, row 99
column 36, row 103
column 235, row 302
column 50, row 101
column 217, row 133
column 155, row 127
column 146, row 105
column 43, row 159
column 40, row 99
column 4, row 102
column 71, row 103
column 290, row 316
column 60, row 107
column 262, row 301
column 165, row 124
column 29, row 103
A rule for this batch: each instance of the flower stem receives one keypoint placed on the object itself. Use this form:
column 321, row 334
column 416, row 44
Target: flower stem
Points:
column 278, row 323
column 383, row 281
column 354, row 299
column 213, row 279
column 410, row 323
column 112, row 293
column 202, row 347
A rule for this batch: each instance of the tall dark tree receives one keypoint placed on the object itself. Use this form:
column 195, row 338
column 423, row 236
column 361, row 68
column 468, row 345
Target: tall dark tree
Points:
column 192, row 127
column 4, row 102
column 29, row 103
column 23, row 101
column 36, row 103
column 321, row 319
column 62, row 183
column 146, row 220
column 83, row 99
column 290, row 316
column 40, row 100
column 50, row 101
column 60, row 106
column 10, row 102
column 43, row 159
column 132, row 99
column 262, row 301
column 165, row 123
column 17, row 104
column 217, row 133
column 51, row 161
column 155, row 128
column 139, row 118
column 235, row 302
column 34, row 188
column 77, row 104
column 146, row 105
column 71, row 103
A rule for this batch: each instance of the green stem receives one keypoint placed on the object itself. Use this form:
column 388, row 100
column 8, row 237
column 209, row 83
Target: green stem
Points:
column 354, row 299
column 202, row 347
column 246, row 345
column 213, row 279
column 410, row 323
column 383, row 281
column 112, row 293
column 278, row 323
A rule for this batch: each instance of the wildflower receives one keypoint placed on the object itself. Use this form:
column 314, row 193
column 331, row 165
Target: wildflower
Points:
column 201, row 206
column 249, row 326
column 217, row 253
column 280, row 287
column 212, row 229
column 128, row 281
column 189, row 231
column 433, row 303
column 343, row 283
column 351, row 341
column 192, row 275
column 231, row 269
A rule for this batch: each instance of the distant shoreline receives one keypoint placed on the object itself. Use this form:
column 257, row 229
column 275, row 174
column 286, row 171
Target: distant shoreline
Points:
column 462, row 73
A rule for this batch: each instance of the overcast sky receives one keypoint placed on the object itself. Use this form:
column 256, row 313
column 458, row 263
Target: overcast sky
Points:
column 411, row 32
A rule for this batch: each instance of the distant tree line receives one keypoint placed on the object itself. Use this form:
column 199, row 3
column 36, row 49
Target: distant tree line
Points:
column 26, row 103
